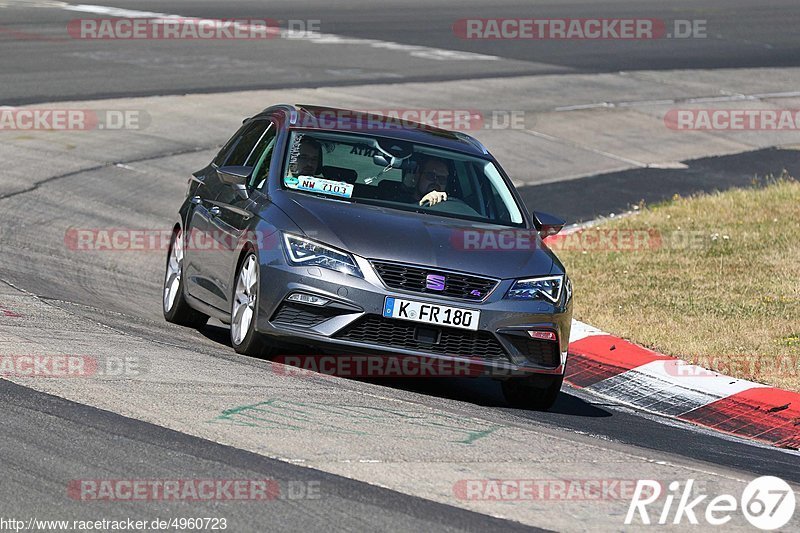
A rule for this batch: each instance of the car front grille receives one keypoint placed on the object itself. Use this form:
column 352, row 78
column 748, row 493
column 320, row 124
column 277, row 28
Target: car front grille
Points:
column 544, row 353
column 303, row 316
column 392, row 333
column 414, row 278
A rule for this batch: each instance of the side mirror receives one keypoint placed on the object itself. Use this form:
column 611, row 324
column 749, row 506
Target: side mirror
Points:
column 234, row 175
column 547, row 224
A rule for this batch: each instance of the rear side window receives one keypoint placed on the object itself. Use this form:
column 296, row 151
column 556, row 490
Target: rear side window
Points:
column 239, row 151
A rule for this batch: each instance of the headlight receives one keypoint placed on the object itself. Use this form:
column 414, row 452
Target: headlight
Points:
column 544, row 288
column 304, row 252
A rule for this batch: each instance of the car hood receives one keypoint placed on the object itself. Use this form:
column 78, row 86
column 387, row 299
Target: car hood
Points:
column 376, row 232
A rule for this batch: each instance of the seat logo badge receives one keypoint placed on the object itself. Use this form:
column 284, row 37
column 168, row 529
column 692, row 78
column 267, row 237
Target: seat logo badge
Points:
column 434, row 282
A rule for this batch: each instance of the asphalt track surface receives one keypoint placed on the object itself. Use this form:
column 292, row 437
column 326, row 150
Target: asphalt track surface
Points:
column 47, row 441
column 40, row 62
column 88, row 437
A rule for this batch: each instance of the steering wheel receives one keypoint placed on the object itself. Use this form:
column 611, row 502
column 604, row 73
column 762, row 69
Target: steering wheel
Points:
column 456, row 206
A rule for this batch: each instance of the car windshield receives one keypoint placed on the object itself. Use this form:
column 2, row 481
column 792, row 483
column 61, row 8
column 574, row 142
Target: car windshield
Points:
column 399, row 175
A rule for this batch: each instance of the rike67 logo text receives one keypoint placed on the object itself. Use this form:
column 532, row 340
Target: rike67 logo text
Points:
column 767, row 503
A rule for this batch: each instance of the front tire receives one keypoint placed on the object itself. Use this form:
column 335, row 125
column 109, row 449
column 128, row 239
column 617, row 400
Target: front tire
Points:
column 244, row 311
column 176, row 309
column 538, row 393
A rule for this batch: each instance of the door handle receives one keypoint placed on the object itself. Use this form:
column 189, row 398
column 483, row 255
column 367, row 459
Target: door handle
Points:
column 215, row 211
column 196, row 200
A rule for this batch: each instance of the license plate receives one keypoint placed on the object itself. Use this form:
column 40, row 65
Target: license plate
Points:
column 440, row 315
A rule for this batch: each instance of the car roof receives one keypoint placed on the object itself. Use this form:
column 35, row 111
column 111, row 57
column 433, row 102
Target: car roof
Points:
column 324, row 118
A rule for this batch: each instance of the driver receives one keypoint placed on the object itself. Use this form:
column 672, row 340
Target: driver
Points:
column 431, row 181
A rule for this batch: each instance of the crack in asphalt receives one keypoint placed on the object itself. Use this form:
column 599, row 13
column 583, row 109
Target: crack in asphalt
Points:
column 34, row 186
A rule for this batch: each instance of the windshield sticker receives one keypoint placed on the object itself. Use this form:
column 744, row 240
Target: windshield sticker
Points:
column 363, row 149
column 319, row 185
column 294, row 151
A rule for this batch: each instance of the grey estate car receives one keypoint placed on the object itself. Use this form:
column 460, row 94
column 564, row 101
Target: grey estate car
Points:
column 349, row 232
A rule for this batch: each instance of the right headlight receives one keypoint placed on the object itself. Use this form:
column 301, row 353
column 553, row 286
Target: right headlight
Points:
column 305, row 252
column 542, row 288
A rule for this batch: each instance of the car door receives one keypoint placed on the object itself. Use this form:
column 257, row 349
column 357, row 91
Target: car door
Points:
column 204, row 254
column 236, row 210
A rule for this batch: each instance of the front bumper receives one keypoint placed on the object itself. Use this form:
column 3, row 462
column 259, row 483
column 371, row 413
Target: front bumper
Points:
column 351, row 322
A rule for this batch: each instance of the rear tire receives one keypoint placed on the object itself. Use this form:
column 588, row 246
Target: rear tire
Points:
column 175, row 307
column 538, row 393
column 244, row 311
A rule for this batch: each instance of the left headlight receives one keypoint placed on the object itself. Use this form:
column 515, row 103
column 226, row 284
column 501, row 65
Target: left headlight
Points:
column 543, row 288
column 305, row 252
